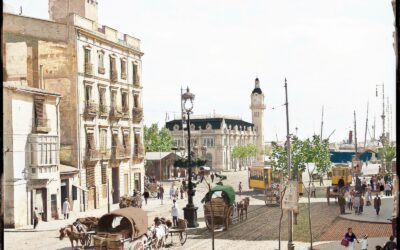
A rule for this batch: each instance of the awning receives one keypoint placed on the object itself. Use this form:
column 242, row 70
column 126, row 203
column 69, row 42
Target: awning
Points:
column 82, row 188
column 65, row 169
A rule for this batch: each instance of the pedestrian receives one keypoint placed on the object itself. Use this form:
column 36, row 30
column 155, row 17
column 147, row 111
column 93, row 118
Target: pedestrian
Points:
column 35, row 218
column 361, row 205
column 321, row 180
column 174, row 213
column 377, row 204
column 66, row 208
column 368, row 198
column 357, row 202
column 350, row 236
column 381, row 187
column 212, row 177
column 146, row 196
column 342, row 204
column 341, row 183
column 348, row 199
column 364, row 187
column 371, row 182
column 172, row 192
column 158, row 191
column 313, row 190
column 161, row 194
column 240, row 188
column 390, row 245
column 364, row 242
column 387, row 189
column 181, row 191
column 351, row 202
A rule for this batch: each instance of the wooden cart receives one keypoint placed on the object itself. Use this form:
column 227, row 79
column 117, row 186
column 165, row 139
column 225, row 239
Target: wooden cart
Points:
column 218, row 207
column 181, row 230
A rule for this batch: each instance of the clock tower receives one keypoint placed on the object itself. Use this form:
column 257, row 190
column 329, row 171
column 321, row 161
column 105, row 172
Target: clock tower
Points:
column 257, row 113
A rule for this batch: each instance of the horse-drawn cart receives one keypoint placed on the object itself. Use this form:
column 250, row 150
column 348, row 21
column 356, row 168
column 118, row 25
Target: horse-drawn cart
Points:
column 152, row 189
column 122, row 229
column 91, row 226
column 130, row 201
column 181, row 230
column 219, row 207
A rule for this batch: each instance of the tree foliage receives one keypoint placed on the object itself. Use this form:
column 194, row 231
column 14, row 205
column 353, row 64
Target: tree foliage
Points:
column 156, row 139
column 387, row 153
column 302, row 152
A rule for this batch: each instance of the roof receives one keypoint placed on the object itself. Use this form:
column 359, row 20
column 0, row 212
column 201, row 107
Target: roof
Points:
column 19, row 87
column 215, row 123
column 228, row 190
column 65, row 169
column 257, row 90
column 136, row 216
column 156, row 156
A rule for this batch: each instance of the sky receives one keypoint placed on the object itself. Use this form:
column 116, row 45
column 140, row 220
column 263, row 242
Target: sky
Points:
column 333, row 53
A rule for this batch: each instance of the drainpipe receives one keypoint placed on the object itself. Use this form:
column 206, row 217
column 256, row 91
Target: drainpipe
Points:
column 41, row 82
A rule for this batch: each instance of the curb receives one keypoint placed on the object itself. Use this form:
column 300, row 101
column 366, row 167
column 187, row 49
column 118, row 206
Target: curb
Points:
column 365, row 221
column 27, row 230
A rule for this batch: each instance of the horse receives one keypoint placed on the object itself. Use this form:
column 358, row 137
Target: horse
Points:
column 73, row 233
column 159, row 234
column 242, row 206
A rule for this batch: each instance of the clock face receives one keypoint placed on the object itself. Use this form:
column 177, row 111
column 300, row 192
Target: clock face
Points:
column 256, row 100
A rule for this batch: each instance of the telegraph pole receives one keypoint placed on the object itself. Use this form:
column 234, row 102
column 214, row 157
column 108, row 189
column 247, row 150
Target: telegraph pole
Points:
column 290, row 212
column 355, row 132
column 366, row 128
column 322, row 122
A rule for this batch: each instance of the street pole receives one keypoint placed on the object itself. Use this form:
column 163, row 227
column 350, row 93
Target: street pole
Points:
column 108, row 196
column 290, row 213
column 355, row 132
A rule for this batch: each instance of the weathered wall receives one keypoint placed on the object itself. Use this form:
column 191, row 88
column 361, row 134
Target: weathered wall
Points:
column 16, row 62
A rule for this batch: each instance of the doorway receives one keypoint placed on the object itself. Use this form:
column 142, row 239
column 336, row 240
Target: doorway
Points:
column 64, row 190
column 54, row 213
column 115, row 184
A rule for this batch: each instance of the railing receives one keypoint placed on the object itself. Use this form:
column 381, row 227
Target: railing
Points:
column 114, row 76
column 42, row 125
column 102, row 70
column 123, row 75
column 118, row 153
column 116, row 112
column 93, row 155
column 138, row 152
column 127, row 152
column 88, row 69
column 91, row 108
column 104, row 110
column 125, row 111
column 105, row 154
column 44, row 171
column 136, row 81
column 137, row 115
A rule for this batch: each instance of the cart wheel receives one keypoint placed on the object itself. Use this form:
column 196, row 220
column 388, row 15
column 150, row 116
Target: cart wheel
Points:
column 183, row 237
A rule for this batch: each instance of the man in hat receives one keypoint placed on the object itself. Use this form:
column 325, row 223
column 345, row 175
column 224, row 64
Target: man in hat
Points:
column 35, row 218
column 66, row 209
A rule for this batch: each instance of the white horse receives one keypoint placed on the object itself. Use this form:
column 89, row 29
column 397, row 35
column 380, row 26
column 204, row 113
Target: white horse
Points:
column 160, row 233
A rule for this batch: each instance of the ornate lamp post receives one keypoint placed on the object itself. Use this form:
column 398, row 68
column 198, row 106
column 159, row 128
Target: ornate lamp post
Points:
column 190, row 211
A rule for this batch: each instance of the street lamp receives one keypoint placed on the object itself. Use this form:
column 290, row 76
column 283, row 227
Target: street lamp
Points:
column 190, row 211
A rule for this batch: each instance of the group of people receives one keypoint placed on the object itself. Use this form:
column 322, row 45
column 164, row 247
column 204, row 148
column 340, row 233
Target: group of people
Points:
column 378, row 183
column 358, row 200
column 350, row 238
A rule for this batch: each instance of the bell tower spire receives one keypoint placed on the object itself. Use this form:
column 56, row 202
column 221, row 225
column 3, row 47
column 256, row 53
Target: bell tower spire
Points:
column 257, row 111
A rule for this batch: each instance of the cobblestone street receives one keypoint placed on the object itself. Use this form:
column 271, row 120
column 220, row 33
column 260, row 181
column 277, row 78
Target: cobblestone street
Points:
column 260, row 230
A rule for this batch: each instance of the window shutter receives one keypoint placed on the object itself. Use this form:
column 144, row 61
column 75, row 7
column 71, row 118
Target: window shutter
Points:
column 90, row 141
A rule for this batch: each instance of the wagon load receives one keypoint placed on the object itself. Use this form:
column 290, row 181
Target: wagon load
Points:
column 219, row 207
column 122, row 229
column 89, row 222
column 130, row 201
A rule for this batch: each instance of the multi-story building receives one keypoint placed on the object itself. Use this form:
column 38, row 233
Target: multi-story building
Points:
column 31, row 142
column 98, row 72
column 218, row 135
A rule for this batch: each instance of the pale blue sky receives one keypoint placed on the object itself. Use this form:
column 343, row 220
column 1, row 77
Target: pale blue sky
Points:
column 333, row 53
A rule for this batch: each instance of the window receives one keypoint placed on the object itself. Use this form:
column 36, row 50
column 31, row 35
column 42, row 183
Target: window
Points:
column 88, row 93
column 208, row 142
column 113, row 98
column 103, row 140
column 102, row 96
column 123, row 69
column 74, row 193
column 44, row 151
column 135, row 77
column 136, row 101
column 87, row 55
column 126, row 141
column 113, row 69
column 103, row 174
column 124, row 100
column 101, row 59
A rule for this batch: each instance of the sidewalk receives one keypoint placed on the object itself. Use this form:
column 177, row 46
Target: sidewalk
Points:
column 369, row 214
column 372, row 242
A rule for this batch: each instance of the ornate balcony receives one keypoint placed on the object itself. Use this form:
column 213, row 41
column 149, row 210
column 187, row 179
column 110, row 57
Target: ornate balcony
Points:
column 105, row 154
column 123, row 75
column 91, row 109
column 118, row 153
column 136, row 81
column 101, row 70
column 114, row 76
column 125, row 112
column 127, row 152
column 116, row 112
column 137, row 115
column 40, row 167
column 104, row 110
column 41, row 125
column 93, row 155
column 138, row 153
column 88, row 69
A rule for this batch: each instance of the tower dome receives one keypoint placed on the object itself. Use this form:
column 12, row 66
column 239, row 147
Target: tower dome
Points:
column 257, row 88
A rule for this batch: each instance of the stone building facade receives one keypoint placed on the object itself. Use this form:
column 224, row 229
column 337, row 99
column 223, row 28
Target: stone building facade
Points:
column 220, row 134
column 31, row 142
column 98, row 72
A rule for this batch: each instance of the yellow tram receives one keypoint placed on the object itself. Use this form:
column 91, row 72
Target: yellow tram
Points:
column 262, row 177
column 341, row 172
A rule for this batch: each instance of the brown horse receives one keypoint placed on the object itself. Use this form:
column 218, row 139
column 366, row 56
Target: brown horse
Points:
column 72, row 234
column 242, row 207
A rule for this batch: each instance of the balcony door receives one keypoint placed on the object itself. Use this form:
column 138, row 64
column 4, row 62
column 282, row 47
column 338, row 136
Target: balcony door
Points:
column 115, row 184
